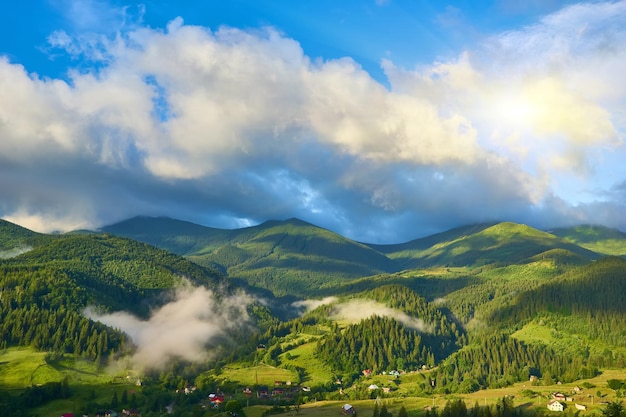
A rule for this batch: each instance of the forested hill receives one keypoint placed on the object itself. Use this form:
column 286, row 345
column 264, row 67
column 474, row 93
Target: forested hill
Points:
column 15, row 239
column 297, row 258
column 502, row 243
column 591, row 297
column 596, row 238
column 286, row 257
column 45, row 289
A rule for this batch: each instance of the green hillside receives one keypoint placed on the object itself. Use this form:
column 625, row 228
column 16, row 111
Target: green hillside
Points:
column 45, row 289
column 502, row 243
column 287, row 257
column 296, row 258
column 473, row 308
column 176, row 236
column 599, row 239
column 588, row 301
column 15, row 239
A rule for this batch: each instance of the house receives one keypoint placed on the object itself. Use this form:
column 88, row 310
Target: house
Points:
column 263, row 392
column 372, row 387
column 534, row 378
column 581, row 407
column 367, row 372
column 216, row 400
column 559, row 396
column 348, row 409
column 189, row 390
column 577, row 389
column 555, row 405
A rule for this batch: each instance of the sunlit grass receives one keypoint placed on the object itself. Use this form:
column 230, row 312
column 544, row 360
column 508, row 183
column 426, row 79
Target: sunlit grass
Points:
column 303, row 356
column 18, row 367
column 255, row 375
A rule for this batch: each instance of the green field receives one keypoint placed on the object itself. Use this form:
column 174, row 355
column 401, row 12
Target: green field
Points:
column 518, row 392
column 23, row 367
column 255, row 375
column 541, row 332
column 303, row 356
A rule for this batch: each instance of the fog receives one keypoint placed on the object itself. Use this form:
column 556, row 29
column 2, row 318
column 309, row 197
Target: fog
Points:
column 190, row 327
column 356, row 310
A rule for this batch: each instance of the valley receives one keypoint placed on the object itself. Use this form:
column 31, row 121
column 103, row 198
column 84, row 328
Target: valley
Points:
column 314, row 318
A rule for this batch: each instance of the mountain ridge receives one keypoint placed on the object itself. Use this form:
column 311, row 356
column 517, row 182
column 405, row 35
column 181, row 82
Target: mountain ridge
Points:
column 296, row 257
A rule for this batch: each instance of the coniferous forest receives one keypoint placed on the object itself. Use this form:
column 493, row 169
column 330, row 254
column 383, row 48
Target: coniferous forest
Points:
column 411, row 325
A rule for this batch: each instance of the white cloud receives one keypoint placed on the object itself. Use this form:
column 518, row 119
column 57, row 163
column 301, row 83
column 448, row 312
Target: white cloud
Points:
column 12, row 253
column 242, row 124
column 309, row 305
column 184, row 328
column 356, row 310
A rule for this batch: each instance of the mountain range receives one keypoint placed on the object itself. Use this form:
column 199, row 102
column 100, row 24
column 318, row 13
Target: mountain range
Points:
column 479, row 306
column 293, row 257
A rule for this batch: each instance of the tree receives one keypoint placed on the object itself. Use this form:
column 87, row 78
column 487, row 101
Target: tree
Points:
column 232, row 406
column 114, row 401
column 614, row 409
column 376, row 412
column 402, row 412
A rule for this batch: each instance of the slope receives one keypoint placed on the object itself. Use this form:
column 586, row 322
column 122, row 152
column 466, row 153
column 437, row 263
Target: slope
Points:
column 15, row 239
column 45, row 290
column 474, row 246
column 286, row 257
column 177, row 236
column 596, row 238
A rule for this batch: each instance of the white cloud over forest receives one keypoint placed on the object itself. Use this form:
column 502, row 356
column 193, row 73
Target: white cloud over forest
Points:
column 188, row 327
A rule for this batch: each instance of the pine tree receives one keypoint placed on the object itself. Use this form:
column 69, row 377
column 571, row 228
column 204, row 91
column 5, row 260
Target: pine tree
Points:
column 376, row 412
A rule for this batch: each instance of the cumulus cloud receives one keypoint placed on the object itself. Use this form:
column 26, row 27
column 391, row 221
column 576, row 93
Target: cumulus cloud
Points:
column 309, row 305
column 356, row 310
column 229, row 126
column 186, row 328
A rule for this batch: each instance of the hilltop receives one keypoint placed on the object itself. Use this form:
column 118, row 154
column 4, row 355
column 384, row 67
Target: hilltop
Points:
column 293, row 257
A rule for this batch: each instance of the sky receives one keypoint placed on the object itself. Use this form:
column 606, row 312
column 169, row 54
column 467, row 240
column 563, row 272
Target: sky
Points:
column 381, row 120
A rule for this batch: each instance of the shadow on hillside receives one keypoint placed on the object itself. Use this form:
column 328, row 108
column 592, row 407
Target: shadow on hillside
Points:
column 429, row 288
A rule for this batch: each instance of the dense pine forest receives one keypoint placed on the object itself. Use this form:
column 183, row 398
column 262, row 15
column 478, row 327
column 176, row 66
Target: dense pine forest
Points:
column 470, row 310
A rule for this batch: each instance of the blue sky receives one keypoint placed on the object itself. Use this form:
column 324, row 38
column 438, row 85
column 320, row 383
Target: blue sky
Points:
column 383, row 120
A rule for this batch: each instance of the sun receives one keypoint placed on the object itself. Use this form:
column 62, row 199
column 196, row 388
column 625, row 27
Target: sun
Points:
column 514, row 110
